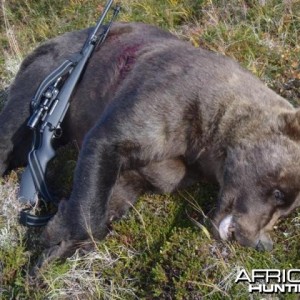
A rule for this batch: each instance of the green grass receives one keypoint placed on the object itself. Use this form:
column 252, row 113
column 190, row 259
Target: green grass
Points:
column 158, row 251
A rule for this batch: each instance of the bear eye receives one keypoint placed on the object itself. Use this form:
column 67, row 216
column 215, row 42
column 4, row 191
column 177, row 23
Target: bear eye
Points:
column 279, row 196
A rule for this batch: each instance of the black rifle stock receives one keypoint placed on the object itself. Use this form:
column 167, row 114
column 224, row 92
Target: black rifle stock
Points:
column 49, row 107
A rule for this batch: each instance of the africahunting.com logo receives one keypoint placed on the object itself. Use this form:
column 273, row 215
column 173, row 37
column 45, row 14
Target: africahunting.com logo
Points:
column 270, row 281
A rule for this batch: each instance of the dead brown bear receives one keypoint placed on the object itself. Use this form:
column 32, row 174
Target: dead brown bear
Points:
column 153, row 113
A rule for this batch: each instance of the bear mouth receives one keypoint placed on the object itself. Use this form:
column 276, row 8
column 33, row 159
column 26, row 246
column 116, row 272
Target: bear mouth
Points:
column 226, row 228
column 228, row 232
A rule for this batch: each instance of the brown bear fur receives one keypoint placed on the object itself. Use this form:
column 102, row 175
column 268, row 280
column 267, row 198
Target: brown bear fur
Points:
column 154, row 114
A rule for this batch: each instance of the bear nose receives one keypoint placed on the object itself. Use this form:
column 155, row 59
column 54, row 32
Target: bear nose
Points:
column 264, row 245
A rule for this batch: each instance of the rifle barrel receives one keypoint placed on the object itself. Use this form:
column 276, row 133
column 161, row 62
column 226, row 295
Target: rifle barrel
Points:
column 101, row 19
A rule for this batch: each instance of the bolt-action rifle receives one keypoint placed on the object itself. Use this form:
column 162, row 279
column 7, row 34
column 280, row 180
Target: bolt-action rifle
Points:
column 48, row 109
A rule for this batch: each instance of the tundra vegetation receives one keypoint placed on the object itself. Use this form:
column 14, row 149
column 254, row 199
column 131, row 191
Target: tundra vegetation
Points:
column 162, row 249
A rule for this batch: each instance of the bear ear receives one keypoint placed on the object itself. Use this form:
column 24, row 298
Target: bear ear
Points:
column 289, row 124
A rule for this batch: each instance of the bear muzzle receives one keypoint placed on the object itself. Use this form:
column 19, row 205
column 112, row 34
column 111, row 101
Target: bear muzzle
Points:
column 228, row 229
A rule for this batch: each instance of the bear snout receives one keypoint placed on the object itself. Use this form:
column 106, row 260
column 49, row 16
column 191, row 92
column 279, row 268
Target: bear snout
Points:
column 226, row 228
column 229, row 230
